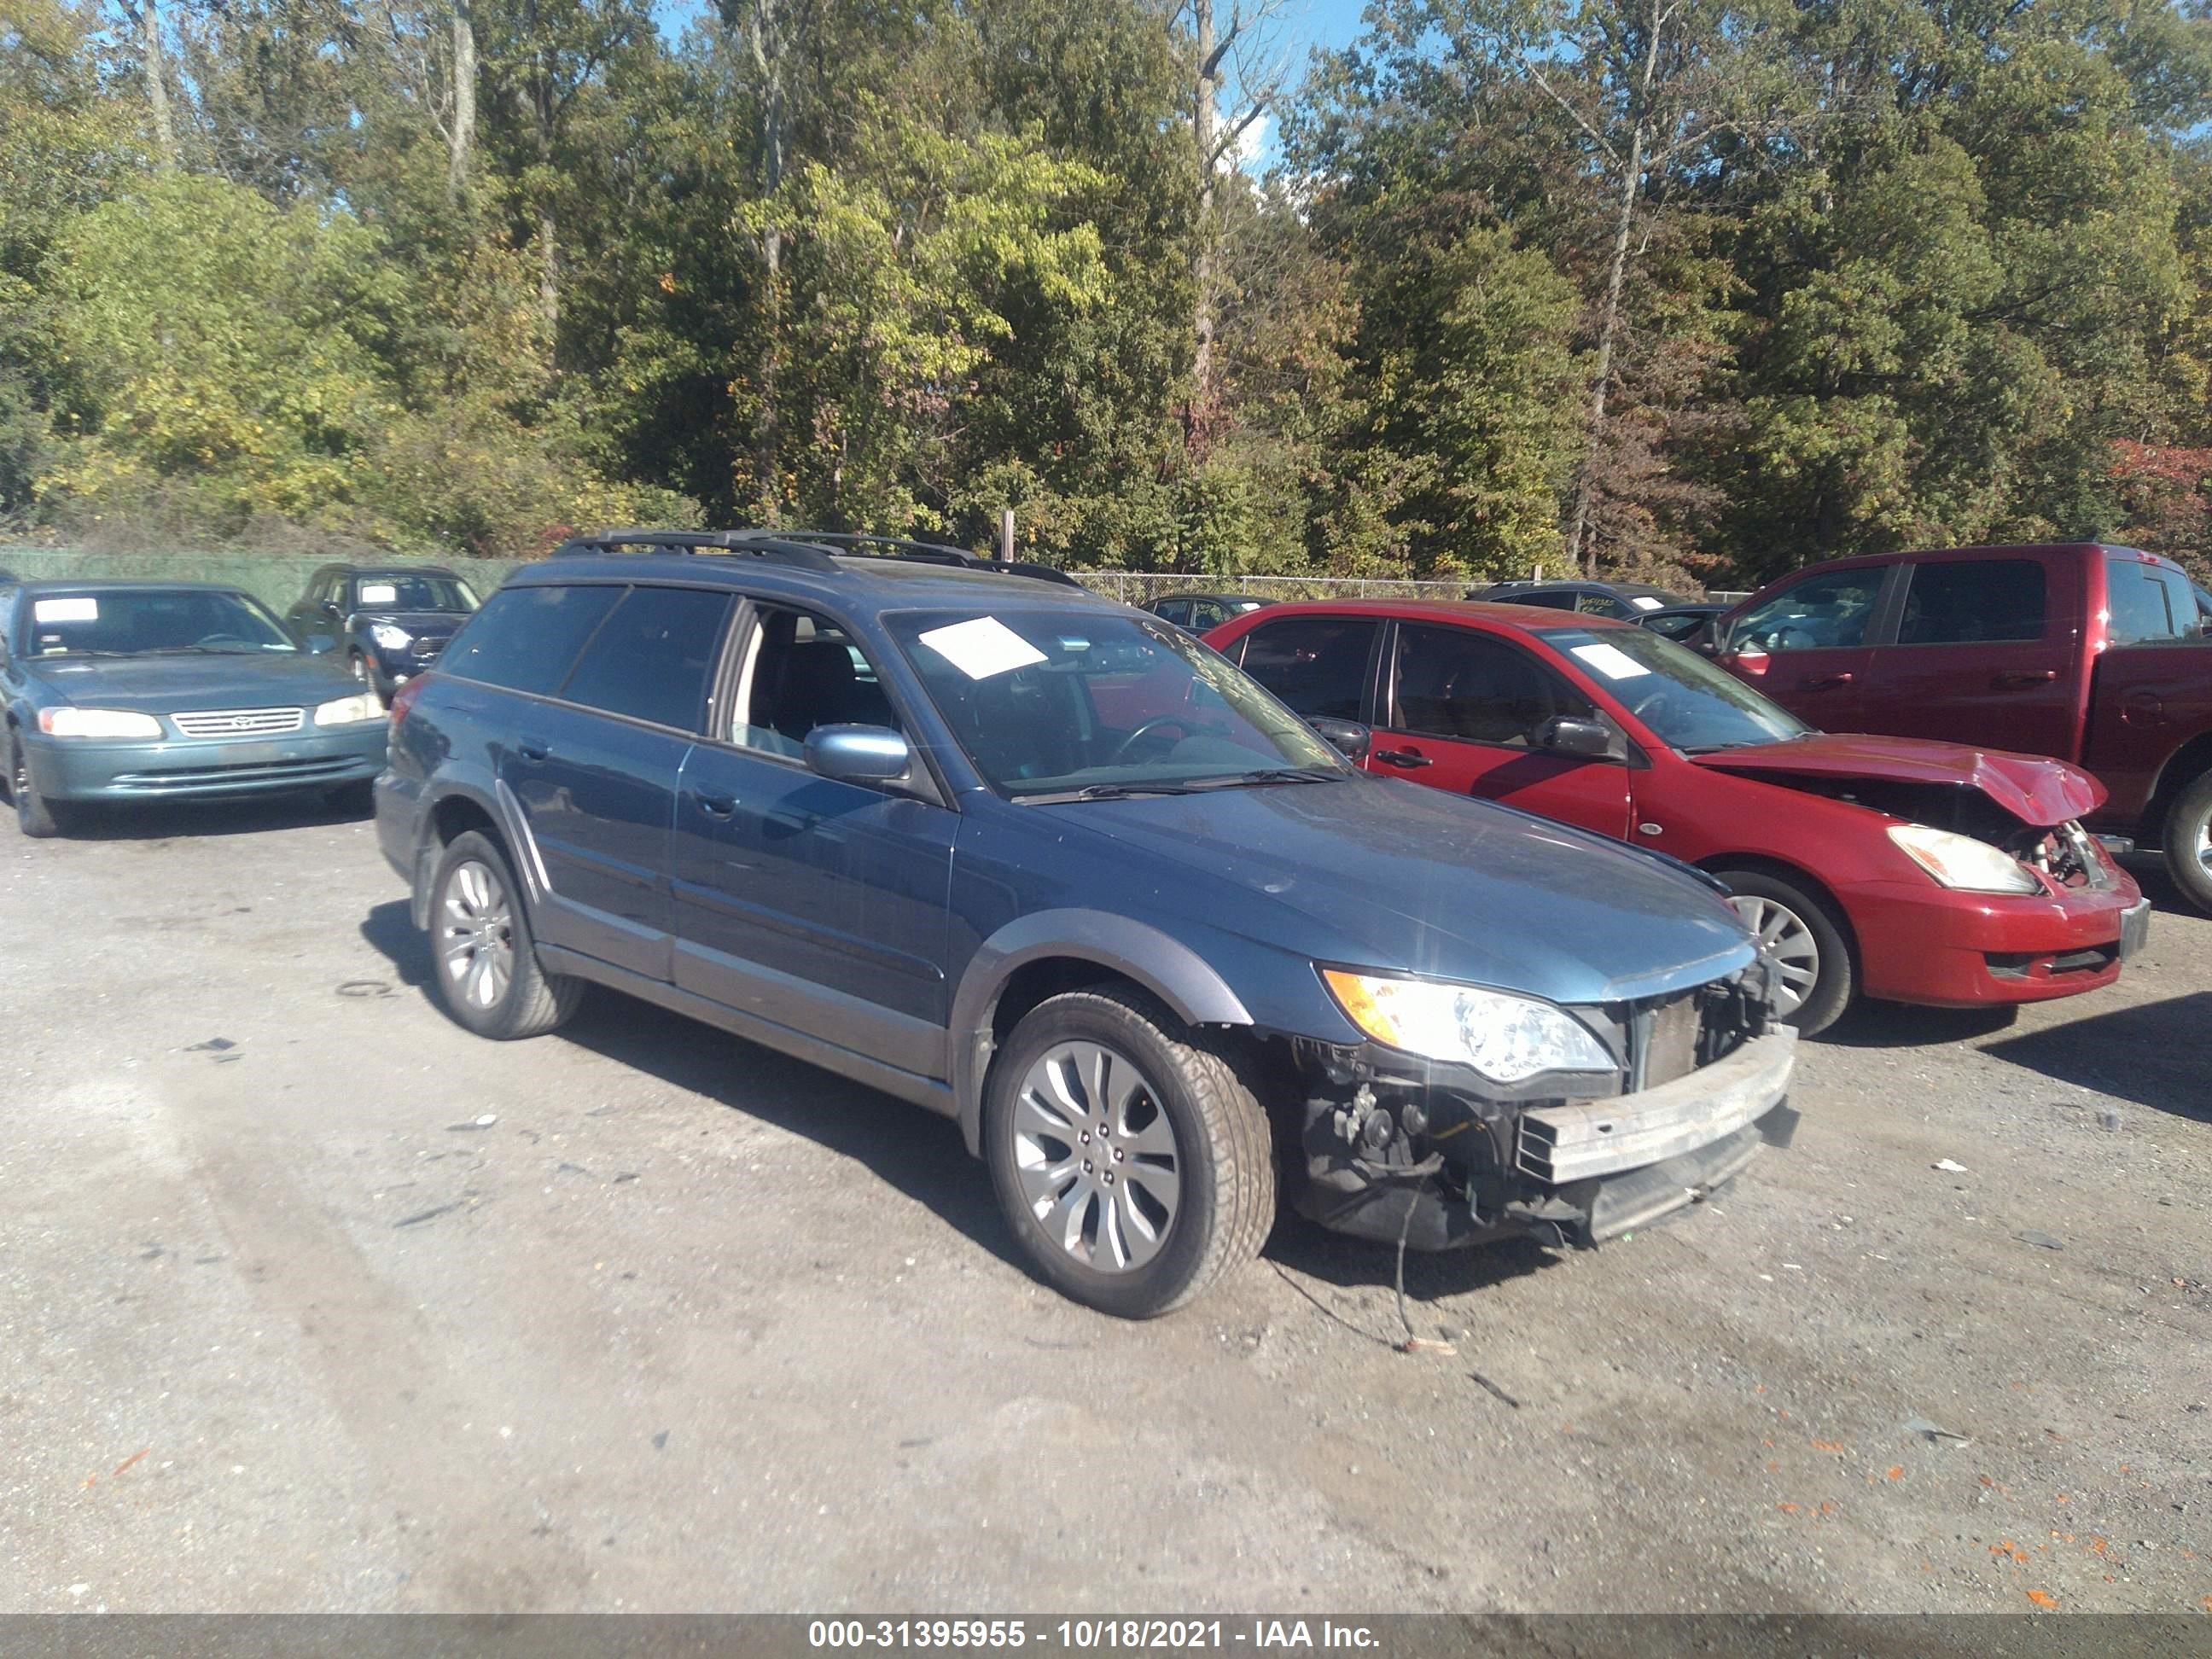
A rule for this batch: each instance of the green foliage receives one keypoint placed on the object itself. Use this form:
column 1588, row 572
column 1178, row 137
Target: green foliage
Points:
column 1895, row 271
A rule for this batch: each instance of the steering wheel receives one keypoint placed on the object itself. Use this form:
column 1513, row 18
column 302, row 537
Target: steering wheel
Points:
column 216, row 639
column 1791, row 639
column 1651, row 699
column 1182, row 723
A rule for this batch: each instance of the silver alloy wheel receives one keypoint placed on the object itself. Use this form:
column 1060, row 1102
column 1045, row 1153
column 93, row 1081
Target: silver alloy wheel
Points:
column 2204, row 842
column 476, row 935
column 1783, row 936
column 1096, row 1156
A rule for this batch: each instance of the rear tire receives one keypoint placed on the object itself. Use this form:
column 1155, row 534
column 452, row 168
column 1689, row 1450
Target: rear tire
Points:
column 488, row 971
column 1803, row 932
column 1134, row 1202
column 35, row 816
column 2187, row 837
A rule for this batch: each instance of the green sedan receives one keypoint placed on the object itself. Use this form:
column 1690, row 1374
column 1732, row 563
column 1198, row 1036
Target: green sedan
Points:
column 119, row 691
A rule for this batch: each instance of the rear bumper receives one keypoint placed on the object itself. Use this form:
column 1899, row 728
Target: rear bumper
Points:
column 74, row 771
column 1951, row 950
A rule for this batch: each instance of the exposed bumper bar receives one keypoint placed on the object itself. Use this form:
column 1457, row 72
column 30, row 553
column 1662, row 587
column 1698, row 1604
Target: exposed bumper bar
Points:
column 1580, row 1140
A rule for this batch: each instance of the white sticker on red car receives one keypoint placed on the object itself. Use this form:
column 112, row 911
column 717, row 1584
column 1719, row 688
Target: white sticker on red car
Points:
column 982, row 647
column 1610, row 661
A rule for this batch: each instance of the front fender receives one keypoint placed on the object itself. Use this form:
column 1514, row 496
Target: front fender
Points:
column 1170, row 969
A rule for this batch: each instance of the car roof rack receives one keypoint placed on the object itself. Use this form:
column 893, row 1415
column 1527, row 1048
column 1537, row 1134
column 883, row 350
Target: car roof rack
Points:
column 808, row 550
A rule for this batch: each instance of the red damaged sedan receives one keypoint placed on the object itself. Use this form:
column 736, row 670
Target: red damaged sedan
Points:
column 1887, row 867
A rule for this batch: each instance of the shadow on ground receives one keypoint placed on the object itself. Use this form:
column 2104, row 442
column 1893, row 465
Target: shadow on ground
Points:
column 908, row 1149
column 2153, row 1054
column 1900, row 1025
column 162, row 820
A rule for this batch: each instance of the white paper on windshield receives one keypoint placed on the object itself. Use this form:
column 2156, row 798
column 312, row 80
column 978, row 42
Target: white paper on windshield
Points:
column 1643, row 602
column 982, row 647
column 1611, row 661
column 379, row 593
column 53, row 610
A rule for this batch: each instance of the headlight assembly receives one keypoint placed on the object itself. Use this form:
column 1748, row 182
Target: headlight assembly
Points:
column 350, row 711
column 97, row 723
column 1962, row 863
column 1509, row 1039
column 389, row 635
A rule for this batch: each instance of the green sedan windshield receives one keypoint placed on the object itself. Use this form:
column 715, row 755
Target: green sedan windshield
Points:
column 134, row 622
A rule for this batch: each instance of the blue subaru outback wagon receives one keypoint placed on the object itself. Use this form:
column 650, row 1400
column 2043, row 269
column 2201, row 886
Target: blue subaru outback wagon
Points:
column 1048, row 866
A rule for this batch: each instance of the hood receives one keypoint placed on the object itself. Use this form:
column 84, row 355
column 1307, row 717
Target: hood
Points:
column 161, row 685
column 417, row 622
column 1384, row 874
column 2038, row 792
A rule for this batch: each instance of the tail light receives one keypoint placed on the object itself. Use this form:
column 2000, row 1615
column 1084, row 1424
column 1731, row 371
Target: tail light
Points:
column 404, row 699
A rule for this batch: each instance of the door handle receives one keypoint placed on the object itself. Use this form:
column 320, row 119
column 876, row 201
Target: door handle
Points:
column 2027, row 676
column 1406, row 758
column 1826, row 682
column 532, row 752
column 718, row 806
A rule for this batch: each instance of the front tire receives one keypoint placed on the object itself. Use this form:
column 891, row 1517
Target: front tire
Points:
column 488, row 971
column 35, row 816
column 1799, row 929
column 2187, row 837
column 1129, row 1157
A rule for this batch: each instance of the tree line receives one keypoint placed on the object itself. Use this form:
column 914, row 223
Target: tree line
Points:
column 1696, row 289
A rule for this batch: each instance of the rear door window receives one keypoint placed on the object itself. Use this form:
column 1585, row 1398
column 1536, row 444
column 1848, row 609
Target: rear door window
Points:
column 1830, row 610
column 1974, row 602
column 1317, row 665
column 1449, row 683
column 652, row 658
column 526, row 638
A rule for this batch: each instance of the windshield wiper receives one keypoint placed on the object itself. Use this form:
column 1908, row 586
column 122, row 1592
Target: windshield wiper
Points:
column 1271, row 774
column 1106, row 791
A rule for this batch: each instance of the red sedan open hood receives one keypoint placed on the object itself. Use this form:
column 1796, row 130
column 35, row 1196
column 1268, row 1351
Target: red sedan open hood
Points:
column 2036, row 791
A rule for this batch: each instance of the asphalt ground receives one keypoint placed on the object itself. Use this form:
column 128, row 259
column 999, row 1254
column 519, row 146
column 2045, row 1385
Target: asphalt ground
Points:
column 310, row 1300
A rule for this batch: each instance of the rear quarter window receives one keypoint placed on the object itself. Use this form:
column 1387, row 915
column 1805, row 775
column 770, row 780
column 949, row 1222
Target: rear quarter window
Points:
column 526, row 638
column 652, row 657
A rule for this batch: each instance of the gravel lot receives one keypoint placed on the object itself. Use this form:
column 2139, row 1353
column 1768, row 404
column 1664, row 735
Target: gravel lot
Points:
column 287, row 1323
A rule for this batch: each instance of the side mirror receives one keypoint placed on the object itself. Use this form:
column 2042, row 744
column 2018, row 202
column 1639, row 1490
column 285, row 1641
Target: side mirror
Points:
column 858, row 754
column 1563, row 734
column 329, row 608
column 1348, row 737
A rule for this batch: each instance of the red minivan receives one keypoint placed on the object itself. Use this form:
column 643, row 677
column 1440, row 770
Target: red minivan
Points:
column 1889, row 867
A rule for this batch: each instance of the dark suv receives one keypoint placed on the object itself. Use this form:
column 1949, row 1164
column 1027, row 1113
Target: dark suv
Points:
column 1046, row 865
column 386, row 622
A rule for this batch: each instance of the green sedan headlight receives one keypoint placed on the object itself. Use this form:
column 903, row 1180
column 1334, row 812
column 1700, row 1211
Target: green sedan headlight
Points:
column 1509, row 1039
column 97, row 723
column 350, row 711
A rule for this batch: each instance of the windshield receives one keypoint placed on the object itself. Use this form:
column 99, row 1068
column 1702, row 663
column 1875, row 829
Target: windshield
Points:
column 1088, row 704
column 411, row 590
column 1688, row 703
column 130, row 622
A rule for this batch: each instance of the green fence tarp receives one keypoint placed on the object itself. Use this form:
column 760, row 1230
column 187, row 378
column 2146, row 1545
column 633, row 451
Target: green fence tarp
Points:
column 276, row 579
